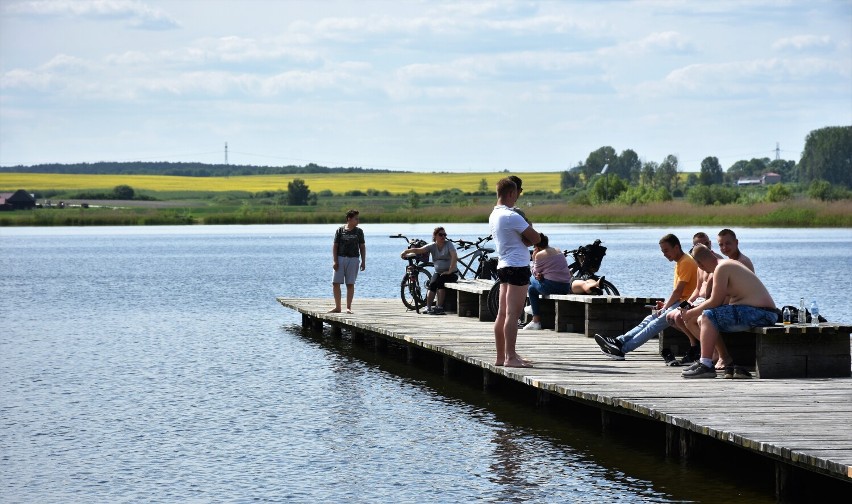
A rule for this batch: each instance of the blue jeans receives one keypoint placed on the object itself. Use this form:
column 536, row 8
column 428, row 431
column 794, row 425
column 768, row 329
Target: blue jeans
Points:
column 545, row 286
column 650, row 326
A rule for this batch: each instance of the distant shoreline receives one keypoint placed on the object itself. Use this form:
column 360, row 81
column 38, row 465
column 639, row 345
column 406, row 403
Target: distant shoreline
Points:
column 794, row 214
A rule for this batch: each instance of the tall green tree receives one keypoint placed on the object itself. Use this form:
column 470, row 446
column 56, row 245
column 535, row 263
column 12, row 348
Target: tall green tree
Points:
column 827, row 156
column 596, row 161
column 649, row 171
column 711, row 171
column 297, row 192
column 627, row 165
column 666, row 175
column 123, row 192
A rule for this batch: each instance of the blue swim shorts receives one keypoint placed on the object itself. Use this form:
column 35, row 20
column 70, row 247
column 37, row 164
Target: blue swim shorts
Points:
column 733, row 318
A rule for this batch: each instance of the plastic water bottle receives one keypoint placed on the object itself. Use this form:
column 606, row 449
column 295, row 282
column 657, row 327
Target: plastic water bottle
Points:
column 814, row 313
column 788, row 316
column 803, row 315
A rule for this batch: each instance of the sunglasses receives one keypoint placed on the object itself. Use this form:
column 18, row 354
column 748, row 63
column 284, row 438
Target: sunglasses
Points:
column 442, row 234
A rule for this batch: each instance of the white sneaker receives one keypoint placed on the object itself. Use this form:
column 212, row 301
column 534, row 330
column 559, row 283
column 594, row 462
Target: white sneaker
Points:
column 528, row 310
column 535, row 326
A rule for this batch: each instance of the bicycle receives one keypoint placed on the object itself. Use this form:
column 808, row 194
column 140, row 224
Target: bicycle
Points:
column 412, row 288
column 587, row 261
column 486, row 267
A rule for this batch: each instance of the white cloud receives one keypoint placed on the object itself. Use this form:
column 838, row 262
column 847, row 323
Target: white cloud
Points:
column 136, row 14
column 804, row 43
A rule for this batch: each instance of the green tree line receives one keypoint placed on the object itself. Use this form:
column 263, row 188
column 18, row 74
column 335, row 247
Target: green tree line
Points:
column 179, row 169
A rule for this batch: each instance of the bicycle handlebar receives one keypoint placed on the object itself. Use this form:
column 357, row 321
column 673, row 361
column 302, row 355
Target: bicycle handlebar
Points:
column 467, row 244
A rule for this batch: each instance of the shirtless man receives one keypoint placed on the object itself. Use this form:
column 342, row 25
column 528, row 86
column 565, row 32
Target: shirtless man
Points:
column 701, row 293
column 747, row 304
column 730, row 246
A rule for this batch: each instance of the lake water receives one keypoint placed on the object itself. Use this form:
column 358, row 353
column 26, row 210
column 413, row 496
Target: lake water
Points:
column 153, row 364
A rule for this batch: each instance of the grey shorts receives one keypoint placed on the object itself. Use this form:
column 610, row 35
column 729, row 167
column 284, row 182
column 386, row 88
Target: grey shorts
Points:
column 347, row 270
column 733, row 318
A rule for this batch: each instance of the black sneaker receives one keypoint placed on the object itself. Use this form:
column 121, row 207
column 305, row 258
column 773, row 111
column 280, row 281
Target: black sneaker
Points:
column 669, row 357
column 699, row 370
column 610, row 347
column 438, row 311
column 692, row 355
column 741, row 373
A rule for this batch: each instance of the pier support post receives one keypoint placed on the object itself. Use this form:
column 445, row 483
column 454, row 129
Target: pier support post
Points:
column 448, row 365
column 487, row 379
column 410, row 353
column 381, row 344
column 680, row 442
column 783, row 482
column 606, row 419
column 336, row 331
column 306, row 321
column 542, row 398
column 316, row 324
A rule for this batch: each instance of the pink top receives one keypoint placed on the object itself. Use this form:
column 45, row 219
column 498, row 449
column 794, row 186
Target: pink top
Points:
column 553, row 267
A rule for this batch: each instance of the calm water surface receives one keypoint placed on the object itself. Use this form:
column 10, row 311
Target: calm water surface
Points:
column 154, row 364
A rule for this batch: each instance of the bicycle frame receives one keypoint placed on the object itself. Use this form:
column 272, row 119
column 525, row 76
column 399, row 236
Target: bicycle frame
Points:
column 474, row 260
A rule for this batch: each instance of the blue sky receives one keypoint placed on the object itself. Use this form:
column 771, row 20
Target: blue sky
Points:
column 423, row 86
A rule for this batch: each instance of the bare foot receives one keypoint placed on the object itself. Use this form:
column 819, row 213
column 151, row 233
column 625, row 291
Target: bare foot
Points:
column 334, row 310
column 722, row 364
column 517, row 363
column 499, row 363
column 349, row 310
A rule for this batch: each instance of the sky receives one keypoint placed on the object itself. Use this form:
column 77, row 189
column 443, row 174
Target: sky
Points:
column 419, row 85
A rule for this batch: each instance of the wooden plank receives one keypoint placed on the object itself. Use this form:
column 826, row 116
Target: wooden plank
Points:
column 800, row 422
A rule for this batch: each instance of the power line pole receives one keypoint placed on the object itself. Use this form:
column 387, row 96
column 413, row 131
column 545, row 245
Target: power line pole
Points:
column 777, row 151
column 226, row 153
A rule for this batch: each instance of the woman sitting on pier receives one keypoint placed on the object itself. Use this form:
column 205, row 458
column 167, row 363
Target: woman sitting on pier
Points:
column 444, row 257
column 551, row 275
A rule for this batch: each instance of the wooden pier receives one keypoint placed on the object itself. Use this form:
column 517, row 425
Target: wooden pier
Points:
column 801, row 425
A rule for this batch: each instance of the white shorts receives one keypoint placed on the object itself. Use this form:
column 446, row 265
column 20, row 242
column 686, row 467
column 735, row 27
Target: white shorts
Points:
column 347, row 270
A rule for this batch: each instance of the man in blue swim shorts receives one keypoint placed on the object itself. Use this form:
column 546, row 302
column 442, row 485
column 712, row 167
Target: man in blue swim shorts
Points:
column 747, row 304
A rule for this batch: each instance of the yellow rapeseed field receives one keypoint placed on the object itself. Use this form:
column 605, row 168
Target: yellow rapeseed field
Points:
column 396, row 183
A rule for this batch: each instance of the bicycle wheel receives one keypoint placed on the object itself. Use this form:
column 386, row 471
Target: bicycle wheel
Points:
column 414, row 296
column 494, row 304
column 494, row 299
column 608, row 288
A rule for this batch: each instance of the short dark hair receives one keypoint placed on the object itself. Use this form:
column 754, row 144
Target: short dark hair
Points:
column 727, row 231
column 504, row 185
column 518, row 182
column 545, row 241
column 671, row 240
column 352, row 213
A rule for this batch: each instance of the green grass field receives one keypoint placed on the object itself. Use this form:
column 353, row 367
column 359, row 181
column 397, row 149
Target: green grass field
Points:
column 244, row 200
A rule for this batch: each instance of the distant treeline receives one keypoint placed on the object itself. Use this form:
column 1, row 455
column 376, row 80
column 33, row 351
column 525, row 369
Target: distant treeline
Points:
column 179, row 169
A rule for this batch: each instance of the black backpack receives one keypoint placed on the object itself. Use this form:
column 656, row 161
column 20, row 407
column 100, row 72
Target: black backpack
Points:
column 421, row 258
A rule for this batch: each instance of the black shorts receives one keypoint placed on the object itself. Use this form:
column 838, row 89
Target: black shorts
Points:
column 513, row 275
column 438, row 281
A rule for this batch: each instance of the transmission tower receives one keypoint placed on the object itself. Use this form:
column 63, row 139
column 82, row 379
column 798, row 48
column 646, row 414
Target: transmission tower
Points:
column 226, row 153
column 777, row 151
